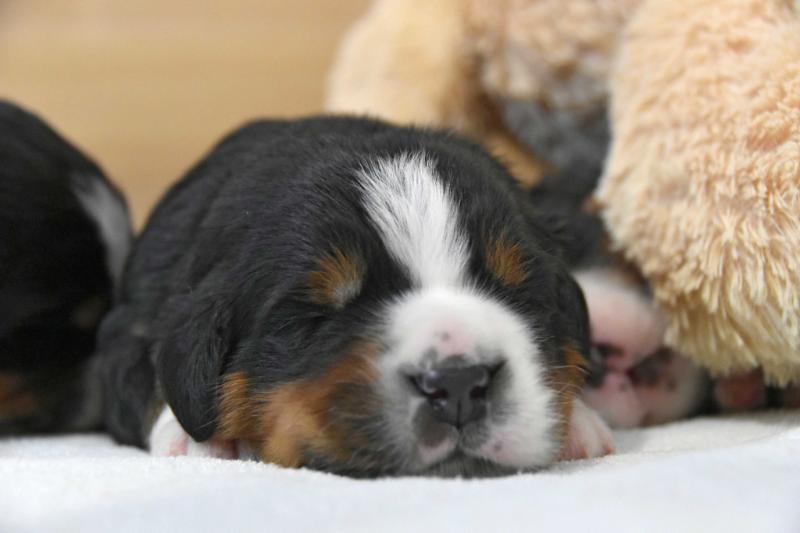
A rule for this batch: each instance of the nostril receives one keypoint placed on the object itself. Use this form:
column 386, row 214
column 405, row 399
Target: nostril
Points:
column 430, row 393
column 479, row 393
column 495, row 369
column 427, row 384
column 437, row 394
column 480, row 390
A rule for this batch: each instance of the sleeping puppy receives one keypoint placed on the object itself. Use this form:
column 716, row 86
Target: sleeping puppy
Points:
column 634, row 379
column 64, row 235
column 350, row 296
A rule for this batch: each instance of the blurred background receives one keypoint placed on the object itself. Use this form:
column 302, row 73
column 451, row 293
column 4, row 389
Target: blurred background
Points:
column 146, row 86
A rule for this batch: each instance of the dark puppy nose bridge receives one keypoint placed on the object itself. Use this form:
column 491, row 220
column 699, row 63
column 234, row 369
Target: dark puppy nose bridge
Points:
column 457, row 395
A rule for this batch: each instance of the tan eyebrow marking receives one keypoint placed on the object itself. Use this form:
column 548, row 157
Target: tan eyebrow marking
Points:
column 505, row 260
column 337, row 279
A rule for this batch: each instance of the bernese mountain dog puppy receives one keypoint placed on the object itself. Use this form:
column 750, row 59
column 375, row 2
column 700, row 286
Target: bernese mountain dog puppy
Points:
column 64, row 236
column 350, row 296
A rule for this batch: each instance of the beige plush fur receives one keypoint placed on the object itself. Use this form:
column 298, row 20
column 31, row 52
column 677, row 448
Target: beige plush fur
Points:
column 701, row 185
column 452, row 62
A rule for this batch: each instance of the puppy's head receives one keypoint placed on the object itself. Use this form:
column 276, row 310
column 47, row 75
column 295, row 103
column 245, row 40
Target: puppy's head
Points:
column 411, row 317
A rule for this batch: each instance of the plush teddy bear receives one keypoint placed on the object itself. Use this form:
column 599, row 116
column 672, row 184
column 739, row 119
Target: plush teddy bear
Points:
column 690, row 110
column 526, row 77
column 702, row 183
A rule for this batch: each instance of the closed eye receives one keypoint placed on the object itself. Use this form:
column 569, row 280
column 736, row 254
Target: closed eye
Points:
column 337, row 280
column 505, row 261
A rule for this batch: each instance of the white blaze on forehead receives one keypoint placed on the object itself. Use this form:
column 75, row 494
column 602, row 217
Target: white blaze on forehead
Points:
column 417, row 218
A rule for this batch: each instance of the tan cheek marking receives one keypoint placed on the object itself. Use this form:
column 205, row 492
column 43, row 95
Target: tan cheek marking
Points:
column 235, row 407
column 15, row 400
column 505, row 260
column 337, row 279
column 290, row 422
column 275, row 423
column 295, row 416
column 567, row 381
column 282, row 422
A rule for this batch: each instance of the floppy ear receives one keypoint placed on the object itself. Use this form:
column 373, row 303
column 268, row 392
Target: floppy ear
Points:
column 190, row 361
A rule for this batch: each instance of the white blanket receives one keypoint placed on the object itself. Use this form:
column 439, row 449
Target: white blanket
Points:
column 706, row 475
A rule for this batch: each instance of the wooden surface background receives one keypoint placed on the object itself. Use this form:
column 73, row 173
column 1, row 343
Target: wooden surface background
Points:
column 146, row 86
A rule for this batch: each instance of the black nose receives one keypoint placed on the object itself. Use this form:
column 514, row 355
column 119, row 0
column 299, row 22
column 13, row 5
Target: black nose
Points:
column 456, row 395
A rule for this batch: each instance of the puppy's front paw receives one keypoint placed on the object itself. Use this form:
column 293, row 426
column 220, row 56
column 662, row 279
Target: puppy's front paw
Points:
column 616, row 401
column 587, row 435
column 168, row 439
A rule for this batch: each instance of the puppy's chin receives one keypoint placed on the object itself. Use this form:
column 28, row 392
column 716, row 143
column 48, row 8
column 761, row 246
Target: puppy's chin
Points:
column 470, row 454
column 460, row 465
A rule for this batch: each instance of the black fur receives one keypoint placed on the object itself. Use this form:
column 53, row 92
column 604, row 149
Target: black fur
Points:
column 52, row 271
column 573, row 145
column 215, row 283
column 581, row 234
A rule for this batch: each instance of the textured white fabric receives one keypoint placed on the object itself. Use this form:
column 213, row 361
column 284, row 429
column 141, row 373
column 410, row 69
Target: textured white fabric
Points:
column 735, row 474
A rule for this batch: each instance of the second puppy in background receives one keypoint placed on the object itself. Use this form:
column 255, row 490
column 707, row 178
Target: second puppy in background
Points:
column 634, row 379
column 64, row 237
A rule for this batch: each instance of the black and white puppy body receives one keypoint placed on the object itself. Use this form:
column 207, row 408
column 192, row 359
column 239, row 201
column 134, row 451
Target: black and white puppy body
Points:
column 64, row 236
column 346, row 295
